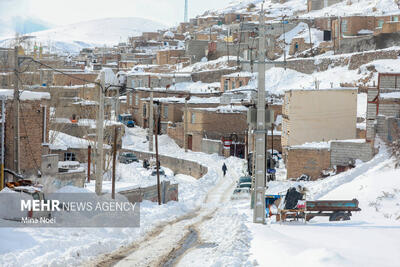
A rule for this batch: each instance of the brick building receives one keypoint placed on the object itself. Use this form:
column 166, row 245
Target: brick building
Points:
column 151, row 36
column 34, row 132
column 156, row 80
column 235, row 80
column 309, row 159
column 172, row 109
column 216, row 123
column 78, row 77
column 171, row 56
column 137, row 102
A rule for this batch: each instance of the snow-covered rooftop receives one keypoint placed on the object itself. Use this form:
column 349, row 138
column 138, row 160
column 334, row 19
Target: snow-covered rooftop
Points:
column 63, row 141
column 24, row 95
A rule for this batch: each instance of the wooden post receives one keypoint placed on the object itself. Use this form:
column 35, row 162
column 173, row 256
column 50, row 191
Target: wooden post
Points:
column 246, row 141
column 16, row 113
column 272, row 139
column 157, row 159
column 89, row 162
column 114, row 162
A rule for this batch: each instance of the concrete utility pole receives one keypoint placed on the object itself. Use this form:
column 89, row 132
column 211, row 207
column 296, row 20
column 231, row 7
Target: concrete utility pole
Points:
column 100, row 136
column 114, row 162
column 3, row 122
column 151, row 122
column 157, row 156
column 259, row 207
column 16, row 111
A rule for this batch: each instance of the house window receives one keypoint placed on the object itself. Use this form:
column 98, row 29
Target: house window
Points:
column 193, row 118
column 139, row 83
column 226, row 84
column 144, row 111
column 131, row 99
column 133, row 83
column 233, row 84
column 136, row 100
column 240, row 83
column 380, row 23
column 165, row 111
column 396, row 18
column 69, row 156
column 344, row 26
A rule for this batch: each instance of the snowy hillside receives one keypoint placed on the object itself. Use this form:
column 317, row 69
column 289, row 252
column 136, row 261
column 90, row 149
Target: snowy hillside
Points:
column 298, row 7
column 109, row 31
column 22, row 25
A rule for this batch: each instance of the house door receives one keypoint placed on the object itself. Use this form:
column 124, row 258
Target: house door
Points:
column 238, row 150
column 190, row 142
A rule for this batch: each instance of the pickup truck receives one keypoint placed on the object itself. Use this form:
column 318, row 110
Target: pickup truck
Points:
column 127, row 158
column 127, row 120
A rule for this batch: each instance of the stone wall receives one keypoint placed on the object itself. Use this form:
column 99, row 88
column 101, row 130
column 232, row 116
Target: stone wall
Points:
column 169, row 192
column 196, row 50
column 369, row 43
column 343, row 152
column 211, row 76
column 307, row 161
column 309, row 66
column 178, row 166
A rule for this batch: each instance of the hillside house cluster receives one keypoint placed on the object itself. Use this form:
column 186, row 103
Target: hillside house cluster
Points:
column 201, row 77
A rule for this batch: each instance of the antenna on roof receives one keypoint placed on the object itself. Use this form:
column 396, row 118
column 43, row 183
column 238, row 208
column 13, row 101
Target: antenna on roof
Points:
column 186, row 11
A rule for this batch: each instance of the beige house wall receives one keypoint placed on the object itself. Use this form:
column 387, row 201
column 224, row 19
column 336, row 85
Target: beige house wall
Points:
column 319, row 115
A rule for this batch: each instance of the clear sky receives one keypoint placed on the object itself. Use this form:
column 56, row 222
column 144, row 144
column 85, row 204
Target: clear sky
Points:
column 61, row 12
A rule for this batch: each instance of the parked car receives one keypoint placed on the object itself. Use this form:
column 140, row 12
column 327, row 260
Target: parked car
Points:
column 127, row 158
column 242, row 188
column 154, row 172
column 244, row 179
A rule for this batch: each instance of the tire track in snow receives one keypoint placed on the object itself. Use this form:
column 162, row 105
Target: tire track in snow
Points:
column 158, row 246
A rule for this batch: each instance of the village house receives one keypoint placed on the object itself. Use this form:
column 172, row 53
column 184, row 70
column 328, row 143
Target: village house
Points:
column 208, row 126
column 34, row 117
column 318, row 115
column 72, row 148
column 137, row 102
column 235, row 80
column 73, row 77
column 319, row 132
column 150, row 36
column 156, row 80
column 383, row 108
column 171, row 56
column 172, row 109
column 320, row 4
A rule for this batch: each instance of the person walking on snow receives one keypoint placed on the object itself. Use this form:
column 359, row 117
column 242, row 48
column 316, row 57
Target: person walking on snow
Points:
column 224, row 169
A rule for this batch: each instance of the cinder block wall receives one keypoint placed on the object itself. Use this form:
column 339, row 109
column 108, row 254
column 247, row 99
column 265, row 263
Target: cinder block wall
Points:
column 344, row 152
column 178, row 166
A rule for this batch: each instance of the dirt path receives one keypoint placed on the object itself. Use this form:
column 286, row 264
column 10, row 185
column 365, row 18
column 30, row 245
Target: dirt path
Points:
column 165, row 245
